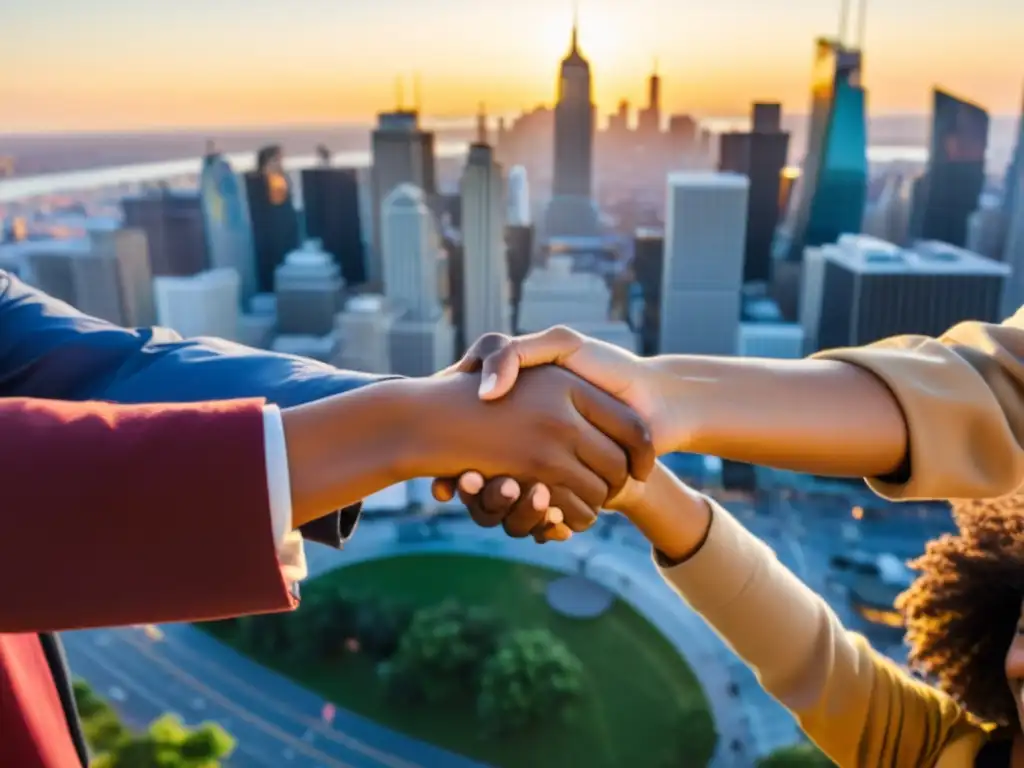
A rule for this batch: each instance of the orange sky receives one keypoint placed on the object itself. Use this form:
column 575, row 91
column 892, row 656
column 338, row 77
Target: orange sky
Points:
column 109, row 64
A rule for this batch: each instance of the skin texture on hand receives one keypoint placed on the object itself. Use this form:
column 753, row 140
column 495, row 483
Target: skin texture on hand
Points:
column 553, row 428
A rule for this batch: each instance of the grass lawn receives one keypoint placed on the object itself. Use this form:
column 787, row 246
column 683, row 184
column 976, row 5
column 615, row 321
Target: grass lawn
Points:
column 642, row 707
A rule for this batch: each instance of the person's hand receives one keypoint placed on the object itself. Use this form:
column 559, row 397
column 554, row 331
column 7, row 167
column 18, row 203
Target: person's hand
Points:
column 630, row 378
column 553, row 428
column 502, row 501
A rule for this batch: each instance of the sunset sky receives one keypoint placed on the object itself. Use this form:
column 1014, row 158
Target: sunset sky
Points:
column 125, row 64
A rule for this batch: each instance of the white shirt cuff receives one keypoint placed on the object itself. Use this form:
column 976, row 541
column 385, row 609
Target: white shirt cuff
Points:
column 290, row 551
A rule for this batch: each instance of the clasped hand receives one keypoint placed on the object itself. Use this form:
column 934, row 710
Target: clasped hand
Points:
column 524, row 506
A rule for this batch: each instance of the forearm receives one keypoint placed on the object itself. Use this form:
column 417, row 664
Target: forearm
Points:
column 816, row 416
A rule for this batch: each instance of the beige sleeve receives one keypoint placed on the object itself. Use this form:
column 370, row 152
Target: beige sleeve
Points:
column 859, row 707
column 962, row 396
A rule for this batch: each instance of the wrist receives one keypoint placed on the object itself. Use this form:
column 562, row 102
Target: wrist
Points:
column 673, row 517
column 682, row 401
column 345, row 447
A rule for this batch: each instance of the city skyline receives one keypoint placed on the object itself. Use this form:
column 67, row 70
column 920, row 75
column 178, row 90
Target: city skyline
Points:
column 114, row 65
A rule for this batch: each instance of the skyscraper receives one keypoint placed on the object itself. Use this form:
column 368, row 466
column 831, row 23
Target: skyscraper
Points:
column 830, row 194
column 955, row 174
column 701, row 291
column 410, row 252
column 648, row 264
column 574, row 124
column 275, row 222
column 403, row 153
column 518, row 198
column 421, row 339
column 331, row 209
column 760, row 155
column 1013, row 254
column 571, row 211
column 226, row 220
column 174, row 227
column 485, row 296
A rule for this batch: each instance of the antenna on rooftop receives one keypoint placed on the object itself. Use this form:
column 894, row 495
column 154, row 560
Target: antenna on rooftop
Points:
column 844, row 19
column 862, row 25
column 399, row 94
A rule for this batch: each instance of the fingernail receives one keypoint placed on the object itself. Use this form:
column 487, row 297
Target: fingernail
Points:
column 555, row 516
column 510, row 489
column 471, row 483
column 488, row 383
column 541, row 498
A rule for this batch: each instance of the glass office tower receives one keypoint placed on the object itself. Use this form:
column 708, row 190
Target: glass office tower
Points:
column 948, row 191
column 829, row 199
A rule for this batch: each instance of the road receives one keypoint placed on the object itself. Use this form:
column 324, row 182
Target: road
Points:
column 277, row 723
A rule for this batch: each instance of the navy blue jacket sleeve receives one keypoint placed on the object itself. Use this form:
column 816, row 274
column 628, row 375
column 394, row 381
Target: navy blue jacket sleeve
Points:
column 50, row 350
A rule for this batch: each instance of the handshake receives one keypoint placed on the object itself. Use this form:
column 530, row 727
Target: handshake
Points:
column 600, row 419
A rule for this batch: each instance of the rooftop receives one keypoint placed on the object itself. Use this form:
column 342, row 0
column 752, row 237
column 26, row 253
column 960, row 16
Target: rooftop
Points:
column 865, row 254
column 720, row 179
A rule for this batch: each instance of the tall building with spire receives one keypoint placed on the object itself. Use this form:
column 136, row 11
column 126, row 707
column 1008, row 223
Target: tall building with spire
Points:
column 572, row 210
column 574, row 124
column 485, row 288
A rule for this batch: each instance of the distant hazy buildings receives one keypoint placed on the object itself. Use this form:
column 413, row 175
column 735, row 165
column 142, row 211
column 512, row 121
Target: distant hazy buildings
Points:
column 831, row 192
column 275, row 222
column 403, row 153
column 485, row 291
column 705, row 235
column 760, row 155
column 865, row 290
column 174, row 227
column 955, row 175
column 226, row 221
column 308, row 286
column 204, row 304
column 331, row 209
column 105, row 274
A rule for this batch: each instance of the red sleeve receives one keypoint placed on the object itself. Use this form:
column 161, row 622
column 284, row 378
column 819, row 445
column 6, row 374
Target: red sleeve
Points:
column 115, row 514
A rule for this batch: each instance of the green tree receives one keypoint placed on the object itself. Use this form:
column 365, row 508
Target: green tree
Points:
column 380, row 625
column 804, row 755
column 532, row 675
column 167, row 744
column 693, row 737
column 440, row 655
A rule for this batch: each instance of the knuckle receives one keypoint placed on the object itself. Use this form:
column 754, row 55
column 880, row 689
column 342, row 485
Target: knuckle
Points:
column 563, row 334
column 490, row 343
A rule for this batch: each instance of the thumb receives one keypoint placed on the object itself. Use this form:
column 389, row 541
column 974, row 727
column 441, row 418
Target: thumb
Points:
column 500, row 369
column 498, row 373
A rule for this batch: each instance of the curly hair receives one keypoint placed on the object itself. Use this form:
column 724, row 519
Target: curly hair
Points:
column 961, row 612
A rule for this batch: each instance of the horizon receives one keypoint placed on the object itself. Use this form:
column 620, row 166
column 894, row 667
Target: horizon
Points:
column 114, row 67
